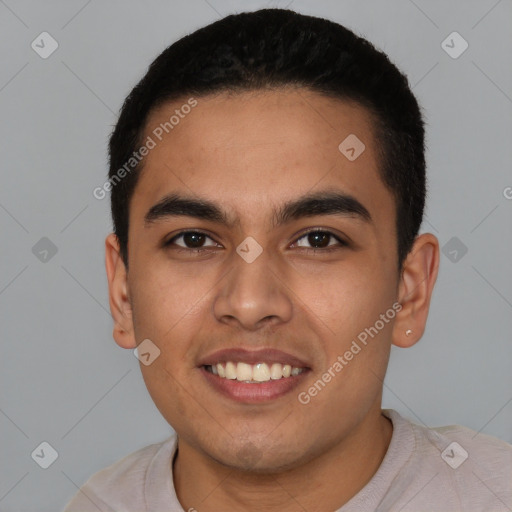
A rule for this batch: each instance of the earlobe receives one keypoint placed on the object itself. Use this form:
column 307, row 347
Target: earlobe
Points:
column 119, row 298
column 415, row 290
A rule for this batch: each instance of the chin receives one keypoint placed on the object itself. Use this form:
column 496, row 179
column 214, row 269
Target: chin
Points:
column 249, row 458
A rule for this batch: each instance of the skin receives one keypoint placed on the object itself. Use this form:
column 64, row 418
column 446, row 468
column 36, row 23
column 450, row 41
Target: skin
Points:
column 252, row 152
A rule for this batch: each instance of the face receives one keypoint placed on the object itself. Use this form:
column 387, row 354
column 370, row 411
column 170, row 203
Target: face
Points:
column 252, row 272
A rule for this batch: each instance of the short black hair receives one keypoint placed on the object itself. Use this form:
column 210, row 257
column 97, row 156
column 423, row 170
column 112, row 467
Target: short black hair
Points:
column 272, row 48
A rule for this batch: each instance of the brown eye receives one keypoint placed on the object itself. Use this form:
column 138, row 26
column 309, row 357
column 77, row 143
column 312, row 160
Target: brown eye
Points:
column 192, row 240
column 319, row 239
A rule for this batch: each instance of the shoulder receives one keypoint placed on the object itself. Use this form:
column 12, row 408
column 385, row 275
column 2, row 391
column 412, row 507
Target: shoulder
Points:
column 467, row 469
column 489, row 458
column 122, row 484
column 458, row 444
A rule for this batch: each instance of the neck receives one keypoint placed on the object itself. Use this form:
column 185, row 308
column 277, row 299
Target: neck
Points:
column 326, row 482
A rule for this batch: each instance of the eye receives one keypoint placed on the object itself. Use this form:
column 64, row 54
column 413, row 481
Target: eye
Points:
column 194, row 241
column 320, row 239
column 191, row 241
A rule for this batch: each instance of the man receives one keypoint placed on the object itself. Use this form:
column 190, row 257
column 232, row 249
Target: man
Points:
column 267, row 179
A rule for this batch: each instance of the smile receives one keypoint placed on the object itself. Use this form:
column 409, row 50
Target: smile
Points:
column 253, row 376
column 253, row 373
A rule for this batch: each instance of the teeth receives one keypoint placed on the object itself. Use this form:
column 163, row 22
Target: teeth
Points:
column 230, row 370
column 260, row 372
column 243, row 371
column 220, row 370
column 276, row 371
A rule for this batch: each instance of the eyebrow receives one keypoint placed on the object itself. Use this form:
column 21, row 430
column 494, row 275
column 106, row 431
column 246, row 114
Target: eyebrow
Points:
column 319, row 203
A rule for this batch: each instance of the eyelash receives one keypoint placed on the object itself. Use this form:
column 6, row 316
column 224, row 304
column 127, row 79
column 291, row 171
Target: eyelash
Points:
column 341, row 242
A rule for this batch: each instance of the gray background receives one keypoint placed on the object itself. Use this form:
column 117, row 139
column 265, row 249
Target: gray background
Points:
column 65, row 381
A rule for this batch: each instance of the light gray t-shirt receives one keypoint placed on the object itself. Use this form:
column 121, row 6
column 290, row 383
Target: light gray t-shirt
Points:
column 444, row 469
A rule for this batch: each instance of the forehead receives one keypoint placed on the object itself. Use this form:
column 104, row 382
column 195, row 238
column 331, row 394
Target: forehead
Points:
column 254, row 150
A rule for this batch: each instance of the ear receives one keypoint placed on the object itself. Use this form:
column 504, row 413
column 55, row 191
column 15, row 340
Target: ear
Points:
column 415, row 288
column 118, row 292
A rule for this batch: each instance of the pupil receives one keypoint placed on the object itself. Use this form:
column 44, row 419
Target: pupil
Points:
column 317, row 239
column 193, row 239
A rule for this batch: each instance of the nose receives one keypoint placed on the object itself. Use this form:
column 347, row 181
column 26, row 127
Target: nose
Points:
column 253, row 294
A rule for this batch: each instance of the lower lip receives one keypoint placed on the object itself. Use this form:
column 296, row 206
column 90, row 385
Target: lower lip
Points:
column 256, row 392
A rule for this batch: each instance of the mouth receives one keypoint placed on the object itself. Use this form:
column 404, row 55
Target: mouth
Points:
column 253, row 376
column 253, row 373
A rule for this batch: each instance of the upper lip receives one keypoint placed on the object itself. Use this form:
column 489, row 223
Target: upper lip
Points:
column 267, row 355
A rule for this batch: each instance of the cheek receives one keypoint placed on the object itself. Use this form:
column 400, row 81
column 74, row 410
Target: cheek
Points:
column 346, row 298
column 170, row 396
column 169, row 308
column 164, row 298
column 353, row 311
